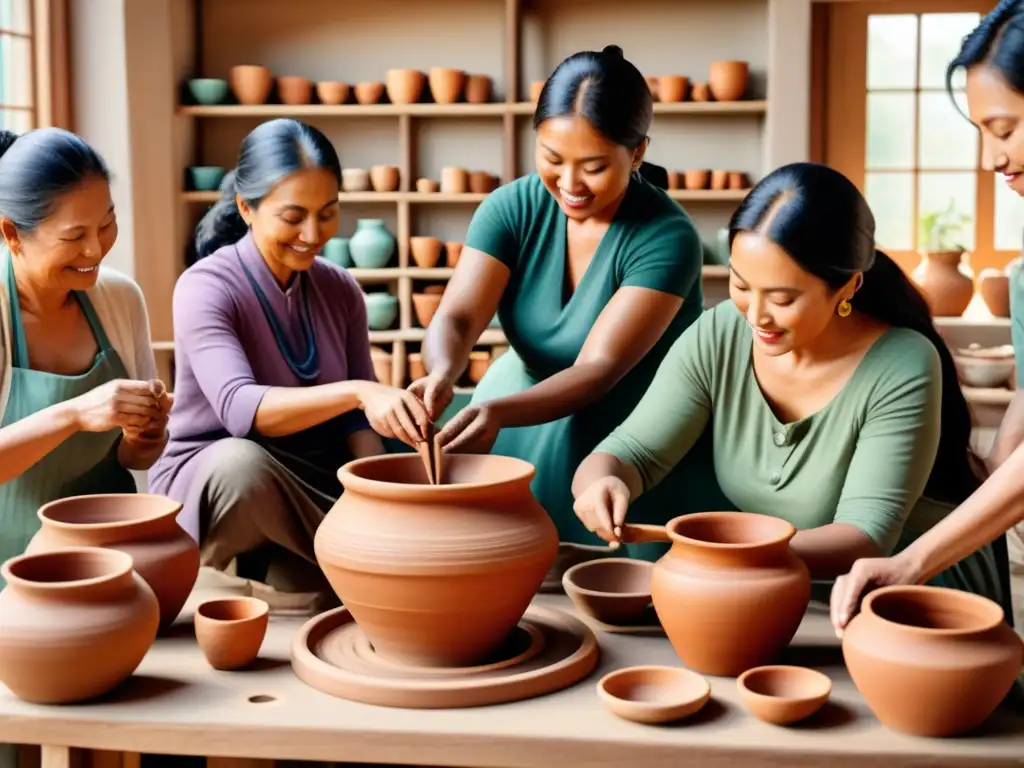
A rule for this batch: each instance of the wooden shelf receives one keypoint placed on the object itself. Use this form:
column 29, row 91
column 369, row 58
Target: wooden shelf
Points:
column 442, row 198
column 753, row 107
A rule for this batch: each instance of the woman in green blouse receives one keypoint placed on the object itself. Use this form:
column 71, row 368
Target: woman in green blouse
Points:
column 833, row 402
column 593, row 271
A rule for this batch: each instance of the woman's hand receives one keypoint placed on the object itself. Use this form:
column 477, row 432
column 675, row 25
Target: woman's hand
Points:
column 472, row 430
column 119, row 404
column 435, row 392
column 602, row 507
column 865, row 575
column 394, row 412
column 156, row 430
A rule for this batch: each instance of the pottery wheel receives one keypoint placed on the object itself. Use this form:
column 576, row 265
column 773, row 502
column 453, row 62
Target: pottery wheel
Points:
column 548, row 651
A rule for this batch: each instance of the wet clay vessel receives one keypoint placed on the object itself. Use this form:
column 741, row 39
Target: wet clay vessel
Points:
column 74, row 623
column 931, row 661
column 436, row 575
column 730, row 592
column 142, row 525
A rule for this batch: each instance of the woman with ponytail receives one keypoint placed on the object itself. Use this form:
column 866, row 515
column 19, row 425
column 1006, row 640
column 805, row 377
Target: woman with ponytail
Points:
column 993, row 57
column 274, row 386
column 593, row 271
column 833, row 402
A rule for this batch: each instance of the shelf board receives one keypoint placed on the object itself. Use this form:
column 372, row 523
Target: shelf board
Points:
column 708, row 195
column 499, row 109
column 364, row 197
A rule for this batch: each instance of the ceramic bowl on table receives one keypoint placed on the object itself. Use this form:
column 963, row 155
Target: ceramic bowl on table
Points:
column 613, row 590
column 208, row 90
column 205, row 178
column 653, row 694
column 782, row 694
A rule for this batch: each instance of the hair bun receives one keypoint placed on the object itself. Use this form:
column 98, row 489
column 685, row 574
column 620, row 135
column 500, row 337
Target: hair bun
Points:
column 7, row 138
column 613, row 52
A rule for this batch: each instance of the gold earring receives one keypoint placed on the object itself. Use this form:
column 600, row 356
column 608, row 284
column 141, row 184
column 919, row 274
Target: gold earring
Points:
column 845, row 308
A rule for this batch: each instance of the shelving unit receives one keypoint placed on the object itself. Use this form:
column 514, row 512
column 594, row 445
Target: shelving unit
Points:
column 263, row 25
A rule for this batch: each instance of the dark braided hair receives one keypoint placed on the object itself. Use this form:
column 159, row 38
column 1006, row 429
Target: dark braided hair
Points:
column 998, row 42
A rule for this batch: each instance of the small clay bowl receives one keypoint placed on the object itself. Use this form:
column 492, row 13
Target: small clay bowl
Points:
column 782, row 695
column 653, row 694
column 230, row 630
column 355, row 179
column 368, row 92
column 614, row 590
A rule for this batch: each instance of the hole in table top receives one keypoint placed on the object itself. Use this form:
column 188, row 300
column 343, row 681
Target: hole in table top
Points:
column 261, row 698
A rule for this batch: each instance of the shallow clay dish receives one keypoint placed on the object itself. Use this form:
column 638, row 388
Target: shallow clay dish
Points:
column 614, row 590
column 653, row 694
column 781, row 694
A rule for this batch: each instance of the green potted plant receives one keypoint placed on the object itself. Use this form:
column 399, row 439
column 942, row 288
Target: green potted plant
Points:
column 943, row 277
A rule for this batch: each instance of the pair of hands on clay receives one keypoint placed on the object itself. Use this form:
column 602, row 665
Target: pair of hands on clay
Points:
column 140, row 409
column 602, row 507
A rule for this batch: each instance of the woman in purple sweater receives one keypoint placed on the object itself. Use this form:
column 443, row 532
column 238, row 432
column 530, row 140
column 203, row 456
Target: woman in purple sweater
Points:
column 274, row 387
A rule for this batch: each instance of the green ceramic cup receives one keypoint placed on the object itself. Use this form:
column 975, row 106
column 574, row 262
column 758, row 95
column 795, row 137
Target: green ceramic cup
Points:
column 208, row 90
column 206, row 178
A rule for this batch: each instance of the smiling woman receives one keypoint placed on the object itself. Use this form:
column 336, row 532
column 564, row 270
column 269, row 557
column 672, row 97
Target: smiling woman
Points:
column 273, row 368
column 80, row 404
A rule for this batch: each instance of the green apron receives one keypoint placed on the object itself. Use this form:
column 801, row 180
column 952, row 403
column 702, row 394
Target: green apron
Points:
column 86, row 462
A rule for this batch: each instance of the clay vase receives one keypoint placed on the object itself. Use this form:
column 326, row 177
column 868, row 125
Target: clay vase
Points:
column 727, row 80
column 947, row 284
column 425, row 251
column 371, row 245
column 446, row 84
column 730, row 593
column 931, row 661
column 251, row 83
column 404, row 86
column 74, row 623
column 141, row 525
column 994, row 287
column 436, row 575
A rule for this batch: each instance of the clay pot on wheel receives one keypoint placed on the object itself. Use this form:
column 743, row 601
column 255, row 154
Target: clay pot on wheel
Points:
column 730, row 593
column 931, row 661
column 142, row 525
column 436, row 575
column 947, row 283
column 74, row 623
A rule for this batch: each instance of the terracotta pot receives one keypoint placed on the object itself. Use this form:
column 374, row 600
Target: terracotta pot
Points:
column 382, row 364
column 676, row 180
column 452, row 253
column 355, row 179
column 945, row 281
column 931, row 661
column 384, row 178
column 672, row 88
column 700, row 92
column 994, row 287
column 416, row 367
column 479, row 362
column 730, row 593
column 436, row 575
column 535, row 90
column 424, row 305
column 719, row 180
column 738, row 180
column 454, row 181
column 652, row 83
column 251, row 83
column 142, row 525
column 697, row 178
column 482, row 182
column 479, row 89
column 369, row 92
column 728, row 79
column 332, row 92
column 74, row 623
column 294, row 90
column 426, row 251
column 426, row 186
column 230, row 630
column 434, row 289
column 446, row 84
column 404, row 86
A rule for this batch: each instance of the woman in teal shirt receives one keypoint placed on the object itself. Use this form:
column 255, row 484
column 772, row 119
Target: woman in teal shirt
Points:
column 593, row 271
column 833, row 400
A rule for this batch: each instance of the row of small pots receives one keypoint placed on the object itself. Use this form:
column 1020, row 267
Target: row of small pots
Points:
column 948, row 284
column 702, row 178
column 373, row 246
column 383, row 365
column 382, row 307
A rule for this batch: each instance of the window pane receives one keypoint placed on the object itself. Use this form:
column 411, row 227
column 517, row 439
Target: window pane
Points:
column 14, row 15
column 941, row 37
column 935, row 193
column 890, row 130
column 892, row 46
column 946, row 138
column 17, row 120
column 1009, row 223
column 891, row 197
column 15, row 71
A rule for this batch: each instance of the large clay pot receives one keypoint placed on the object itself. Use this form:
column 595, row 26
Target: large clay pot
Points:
column 931, row 661
column 371, row 245
column 74, row 623
column 436, row 575
column 947, row 284
column 730, row 592
column 142, row 525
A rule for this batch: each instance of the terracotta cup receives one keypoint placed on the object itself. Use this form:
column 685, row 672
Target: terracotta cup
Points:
column 404, row 86
column 424, row 306
column 382, row 364
column 672, row 88
column 728, row 79
column 482, row 182
column 230, row 630
column 479, row 89
column 454, row 181
column 719, row 180
column 425, row 251
column 479, row 362
column 700, row 92
column 355, row 179
column 294, row 90
column 697, row 178
column 446, row 84
column 369, row 92
column 251, row 83
column 384, row 178
column 416, row 369
column 332, row 92
column 453, row 251
column 426, row 186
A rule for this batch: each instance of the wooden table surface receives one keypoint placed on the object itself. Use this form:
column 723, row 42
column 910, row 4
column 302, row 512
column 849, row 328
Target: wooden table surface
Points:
column 176, row 704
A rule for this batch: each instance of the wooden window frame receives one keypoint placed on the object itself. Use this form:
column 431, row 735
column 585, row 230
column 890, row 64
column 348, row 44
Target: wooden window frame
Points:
column 839, row 106
column 49, row 78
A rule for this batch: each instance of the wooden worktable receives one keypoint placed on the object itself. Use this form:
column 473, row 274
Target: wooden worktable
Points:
column 176, row 704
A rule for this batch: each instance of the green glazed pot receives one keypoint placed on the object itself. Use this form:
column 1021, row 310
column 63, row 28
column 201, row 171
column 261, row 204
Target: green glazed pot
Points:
column 372, row 246
column 381, row 310
column 337, row 252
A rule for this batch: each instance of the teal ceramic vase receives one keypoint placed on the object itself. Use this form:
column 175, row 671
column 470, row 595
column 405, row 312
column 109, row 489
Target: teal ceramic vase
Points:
column 337, row 252
column 372, row 246
column 381, row 310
